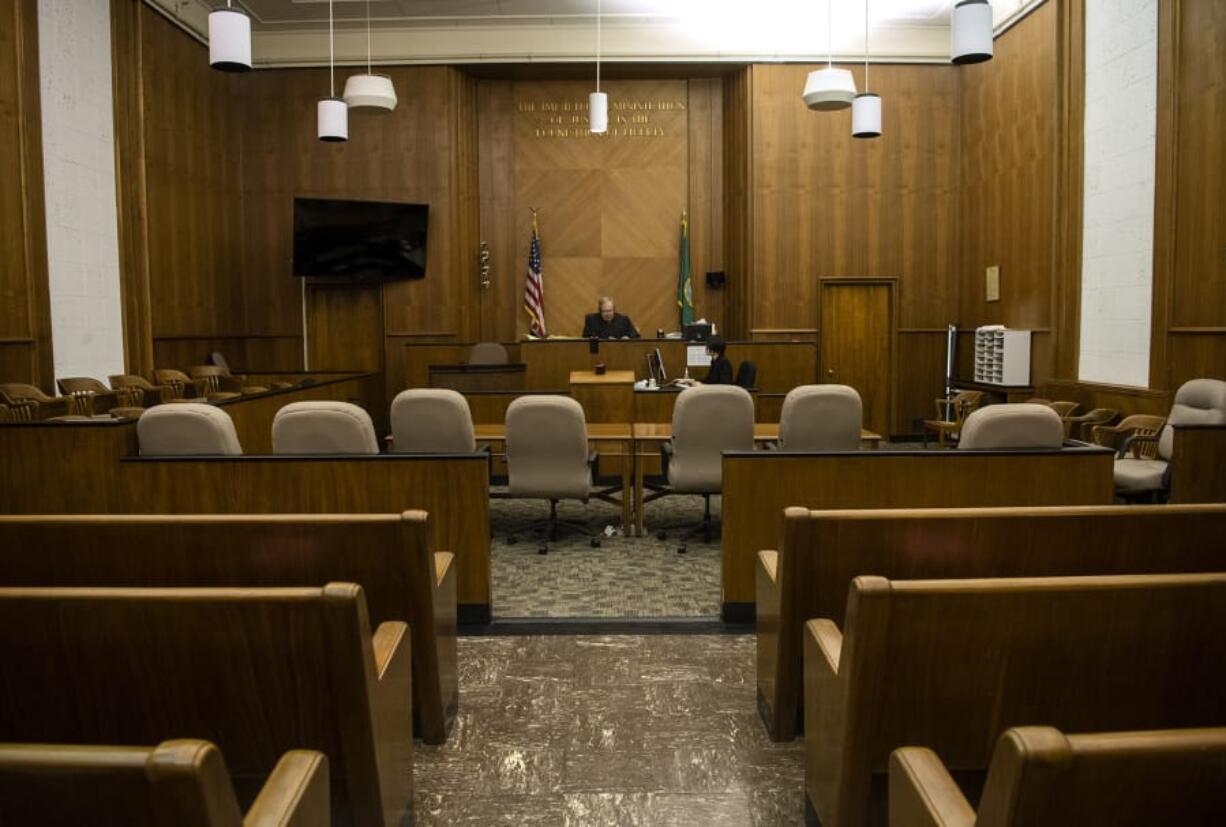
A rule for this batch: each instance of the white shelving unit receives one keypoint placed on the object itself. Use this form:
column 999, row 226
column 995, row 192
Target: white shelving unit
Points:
column 1002, row 356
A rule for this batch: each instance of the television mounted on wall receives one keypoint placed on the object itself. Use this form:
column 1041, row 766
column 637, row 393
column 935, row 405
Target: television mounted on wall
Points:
column 360, row 240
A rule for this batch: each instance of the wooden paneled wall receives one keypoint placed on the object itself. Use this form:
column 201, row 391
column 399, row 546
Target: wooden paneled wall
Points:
column 1008, row 204
column 609, row 206
column 25, row 306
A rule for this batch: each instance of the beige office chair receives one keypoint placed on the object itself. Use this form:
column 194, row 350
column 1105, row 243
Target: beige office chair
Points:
column 432, row 421
column 1017, row 426
column 821, row 418
column 488, row 353
column 1197, row 402
column 187, row 429
column 548, row 458
column 707, row 420
column 323, row 428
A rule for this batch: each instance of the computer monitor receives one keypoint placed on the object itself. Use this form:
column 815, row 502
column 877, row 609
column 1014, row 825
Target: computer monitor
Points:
column 655, row 366
column 696, row 356
column 697, row 332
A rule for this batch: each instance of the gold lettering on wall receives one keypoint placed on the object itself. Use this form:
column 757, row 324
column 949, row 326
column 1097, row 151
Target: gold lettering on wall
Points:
column 629, row 118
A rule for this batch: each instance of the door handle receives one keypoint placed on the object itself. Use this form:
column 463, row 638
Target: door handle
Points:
column 830, row 371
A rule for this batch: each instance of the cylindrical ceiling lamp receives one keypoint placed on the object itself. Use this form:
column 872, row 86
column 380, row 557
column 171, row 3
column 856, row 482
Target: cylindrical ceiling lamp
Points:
column 829, row 89
column 598, row 102
column 331, row 113
column 971, row 32
column 370, row 91
column 866, row 116
column 866, row 108
column 229, row 39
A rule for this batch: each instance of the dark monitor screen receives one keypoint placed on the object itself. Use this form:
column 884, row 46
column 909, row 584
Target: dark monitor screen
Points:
column 697, row 332
column 360, row 240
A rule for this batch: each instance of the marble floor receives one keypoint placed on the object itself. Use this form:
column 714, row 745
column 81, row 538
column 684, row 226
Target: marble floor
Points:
column 625, row 577
column 609, row 730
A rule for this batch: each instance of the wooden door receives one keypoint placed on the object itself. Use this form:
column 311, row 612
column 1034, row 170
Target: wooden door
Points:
column 345, row 327
column 857, row 335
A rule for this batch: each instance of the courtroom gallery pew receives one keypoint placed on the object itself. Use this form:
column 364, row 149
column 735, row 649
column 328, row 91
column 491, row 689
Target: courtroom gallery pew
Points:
column 822, row 551
column 758, row 485
column 255, row 671
column 1040, row 776
column 951, row 664
column 94, row 469
column 388, row 555
column 180, row 783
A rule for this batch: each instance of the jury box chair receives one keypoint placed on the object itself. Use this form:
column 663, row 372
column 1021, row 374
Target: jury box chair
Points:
column 821, row 418
column 179, row 783
column 432, row 421
column 1040, row 777
column 707, row 420
column 323, row 427
column 83, row 389
column 187, row 429
column 1017, row 426
column 151, row 394
column 1141, row 467
column 951, row 412
column 547, row 458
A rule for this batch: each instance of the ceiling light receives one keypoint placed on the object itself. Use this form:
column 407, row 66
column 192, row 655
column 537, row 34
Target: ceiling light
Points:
column 370, row 91
column 331, row 113
column 830, row 88
column 229, row 39
column 971, row 32
column 598, row 102
column 866, row 108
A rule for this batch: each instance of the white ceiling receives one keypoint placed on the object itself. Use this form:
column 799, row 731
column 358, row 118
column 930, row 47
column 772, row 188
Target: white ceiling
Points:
column 294, row 32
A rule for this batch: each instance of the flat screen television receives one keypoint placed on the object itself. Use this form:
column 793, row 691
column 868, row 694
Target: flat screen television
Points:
column 360, row 240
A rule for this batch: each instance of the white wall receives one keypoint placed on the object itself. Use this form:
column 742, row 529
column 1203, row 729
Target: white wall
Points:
column 1118, row 223
column 74, row 44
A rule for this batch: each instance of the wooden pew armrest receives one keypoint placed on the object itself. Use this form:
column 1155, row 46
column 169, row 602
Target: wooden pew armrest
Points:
column 769, row 559
column 829, row 641
column 295, row 795
column 387, row 645
column 922, row 792
column 443, row 562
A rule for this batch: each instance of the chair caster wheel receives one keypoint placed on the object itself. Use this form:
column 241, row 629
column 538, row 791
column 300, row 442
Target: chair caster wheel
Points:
column 595, row 542
column 681, row 549
column 661, row 535
column 542, row 549
column 512, row 539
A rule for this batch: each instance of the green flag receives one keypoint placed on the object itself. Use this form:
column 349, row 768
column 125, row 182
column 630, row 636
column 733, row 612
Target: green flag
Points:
column 685, row 288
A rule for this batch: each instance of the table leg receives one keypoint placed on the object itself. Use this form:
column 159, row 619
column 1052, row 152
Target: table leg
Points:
column 627, row 493
column 638, row 493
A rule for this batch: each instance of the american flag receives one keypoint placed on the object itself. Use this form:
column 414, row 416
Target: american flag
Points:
column 534, row 288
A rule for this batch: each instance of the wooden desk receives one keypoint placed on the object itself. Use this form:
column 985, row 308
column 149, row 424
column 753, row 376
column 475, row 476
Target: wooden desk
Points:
column 606, row 397
column 508, row 377
column 597, row 432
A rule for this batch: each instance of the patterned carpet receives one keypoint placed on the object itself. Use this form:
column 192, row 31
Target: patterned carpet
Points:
column 625, row 577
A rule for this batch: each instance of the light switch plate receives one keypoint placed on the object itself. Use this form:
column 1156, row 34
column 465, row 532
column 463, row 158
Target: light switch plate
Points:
column 991, row 288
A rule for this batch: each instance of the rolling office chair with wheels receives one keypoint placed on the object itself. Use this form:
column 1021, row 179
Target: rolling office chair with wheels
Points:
column 432, row 421
column 1021, row 425
column 707, row 420
column 547, row 458
column 746, row 375
column 821, row 418
column 187, row 429
column 488, row 353
column 323, row 428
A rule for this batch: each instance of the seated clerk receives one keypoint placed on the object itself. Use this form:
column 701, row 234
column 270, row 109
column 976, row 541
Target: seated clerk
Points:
column 607, row 323
column 720, row 372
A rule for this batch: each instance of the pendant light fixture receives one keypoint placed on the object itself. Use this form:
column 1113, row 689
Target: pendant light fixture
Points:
column 370, row 91
column 598, row 102
column 229, row 39
column 866, row 108
column 331, row 113
column 829, row 89
column 971, row 32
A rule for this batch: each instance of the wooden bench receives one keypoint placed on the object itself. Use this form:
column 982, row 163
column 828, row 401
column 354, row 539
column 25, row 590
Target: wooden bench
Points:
column 388, row 555
column 181, row 783
column 822, row 551
column 1039, row 776
column 758, row 485
column 1198, row 474
column 94, row 469
column 952, row 664
column 255, row 671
